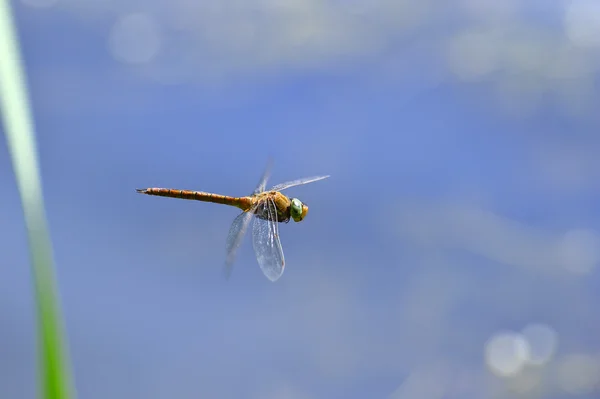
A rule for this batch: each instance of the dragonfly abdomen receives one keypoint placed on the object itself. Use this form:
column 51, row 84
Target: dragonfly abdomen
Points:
column 240, row 202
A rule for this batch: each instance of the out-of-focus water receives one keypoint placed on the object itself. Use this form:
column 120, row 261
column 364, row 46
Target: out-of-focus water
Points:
column 452, row 254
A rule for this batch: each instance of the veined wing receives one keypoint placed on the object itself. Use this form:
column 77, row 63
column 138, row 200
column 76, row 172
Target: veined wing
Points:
column 234, row 238
column 298, row 182
column 265, row 240
column 263, row 180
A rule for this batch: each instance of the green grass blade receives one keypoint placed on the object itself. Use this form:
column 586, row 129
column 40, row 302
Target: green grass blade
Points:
column 54, row 371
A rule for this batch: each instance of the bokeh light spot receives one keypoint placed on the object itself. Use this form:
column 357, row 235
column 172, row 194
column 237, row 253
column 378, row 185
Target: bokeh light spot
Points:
column 506, row 353
column 542, row 341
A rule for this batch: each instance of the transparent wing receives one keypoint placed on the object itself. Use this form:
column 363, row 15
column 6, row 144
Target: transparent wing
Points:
column 298, row 182
column 263, row 180
column 234, row 238
column 265, row 240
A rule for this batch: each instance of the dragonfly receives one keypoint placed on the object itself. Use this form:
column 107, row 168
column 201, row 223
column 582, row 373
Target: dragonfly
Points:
column 267, row 208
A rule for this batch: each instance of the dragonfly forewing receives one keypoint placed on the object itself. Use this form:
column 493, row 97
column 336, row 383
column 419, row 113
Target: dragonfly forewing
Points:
column 266, row 243
column 235, row 237
column 262, row 184
column 305, row 180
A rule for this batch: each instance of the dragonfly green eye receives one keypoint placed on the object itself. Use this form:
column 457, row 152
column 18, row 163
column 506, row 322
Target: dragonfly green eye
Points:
column 298, row 210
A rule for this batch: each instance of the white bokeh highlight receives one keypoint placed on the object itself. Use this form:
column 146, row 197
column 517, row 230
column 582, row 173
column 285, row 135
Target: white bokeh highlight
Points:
column 506, row 353
column 542, row 341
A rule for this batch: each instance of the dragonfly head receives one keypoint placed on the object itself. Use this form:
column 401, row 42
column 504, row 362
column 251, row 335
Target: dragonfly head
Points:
column 298, row 210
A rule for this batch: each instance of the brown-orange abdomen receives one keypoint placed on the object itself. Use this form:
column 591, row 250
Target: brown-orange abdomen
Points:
column 240, row 202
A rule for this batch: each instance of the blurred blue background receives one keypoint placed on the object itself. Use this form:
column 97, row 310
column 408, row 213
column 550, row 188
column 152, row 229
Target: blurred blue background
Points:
column 452, row 254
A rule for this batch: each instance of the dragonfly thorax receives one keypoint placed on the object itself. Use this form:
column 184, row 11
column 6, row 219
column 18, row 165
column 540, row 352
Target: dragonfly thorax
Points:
column 273, row 205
